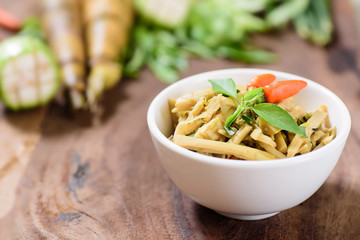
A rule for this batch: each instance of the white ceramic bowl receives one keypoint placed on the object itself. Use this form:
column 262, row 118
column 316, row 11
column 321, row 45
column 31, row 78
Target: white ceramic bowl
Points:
column 247, row 190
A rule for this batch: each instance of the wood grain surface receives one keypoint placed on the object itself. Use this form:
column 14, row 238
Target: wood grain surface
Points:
column 77, row 176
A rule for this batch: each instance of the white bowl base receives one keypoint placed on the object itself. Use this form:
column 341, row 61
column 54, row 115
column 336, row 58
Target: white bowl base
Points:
column 247, row 217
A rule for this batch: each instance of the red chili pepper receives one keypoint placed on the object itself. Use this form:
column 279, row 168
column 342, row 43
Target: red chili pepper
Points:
column 283, row 89
column 9, row 21
column 261, row 80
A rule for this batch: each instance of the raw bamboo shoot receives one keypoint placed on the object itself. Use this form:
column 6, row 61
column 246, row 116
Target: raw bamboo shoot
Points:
column 62, row 24
column 107, row 25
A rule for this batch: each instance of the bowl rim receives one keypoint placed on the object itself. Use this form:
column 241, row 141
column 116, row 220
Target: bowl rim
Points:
column 155, row 131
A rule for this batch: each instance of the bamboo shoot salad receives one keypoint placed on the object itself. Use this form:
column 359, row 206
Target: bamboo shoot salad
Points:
column 259, row 121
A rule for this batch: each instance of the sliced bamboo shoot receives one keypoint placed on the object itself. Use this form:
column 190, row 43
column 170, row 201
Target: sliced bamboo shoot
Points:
column 287, row 104
column 259, row 136
column 297, row 112
column 319, row 146
column 272, row 150
column 174, row 117
column 327, row 139
column 199, row 106
column 188, row 100
column 188, row 127
column 305, row 148
column 280, row 142
column 227, row 107
column 266, row 127
column 240, row 134
column 217, row 147
column 315, row 121
column 210, row 130
column 316, row 137
column 295, row 145
column 323, row 108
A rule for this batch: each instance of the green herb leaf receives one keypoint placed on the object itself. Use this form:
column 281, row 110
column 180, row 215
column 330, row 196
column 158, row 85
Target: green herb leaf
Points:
column 232, row 118
column 248, row 56
column 253, row 97
column 277, row 117
column 303, row 130
column 247, row 118
column 225, row 86
column 228, row 88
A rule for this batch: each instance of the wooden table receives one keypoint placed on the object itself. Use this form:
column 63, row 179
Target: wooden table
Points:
column 63, row 176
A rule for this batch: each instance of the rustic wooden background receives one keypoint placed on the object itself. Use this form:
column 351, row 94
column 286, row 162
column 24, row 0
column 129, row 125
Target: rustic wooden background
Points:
column 63, row 176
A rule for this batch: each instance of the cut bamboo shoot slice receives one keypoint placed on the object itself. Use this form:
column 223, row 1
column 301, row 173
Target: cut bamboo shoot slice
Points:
column 204, row 145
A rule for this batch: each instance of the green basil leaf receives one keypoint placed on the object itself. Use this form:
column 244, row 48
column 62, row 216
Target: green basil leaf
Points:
column 225, row 86
column 253, row 97
column 277, row 117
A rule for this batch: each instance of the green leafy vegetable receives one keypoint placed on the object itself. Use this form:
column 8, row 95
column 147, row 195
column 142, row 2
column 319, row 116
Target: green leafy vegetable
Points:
column 254, row 100
column 277, row 117
column 315, row 23
column 247, row 101
column 286, row 11
column 245, row 55
column 247, row 118
column 253, row 97
column 303, row 130
column 157, row 48
column 164, row 37
column 228, row 88
column 225, row 86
